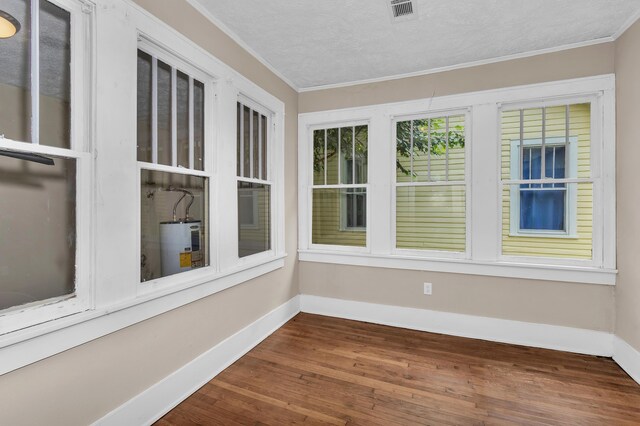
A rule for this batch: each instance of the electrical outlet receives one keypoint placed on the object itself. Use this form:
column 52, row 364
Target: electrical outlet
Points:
column 428, row 288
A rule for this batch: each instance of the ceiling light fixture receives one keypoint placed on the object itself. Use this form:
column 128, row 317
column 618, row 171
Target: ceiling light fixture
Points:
column 9, row 25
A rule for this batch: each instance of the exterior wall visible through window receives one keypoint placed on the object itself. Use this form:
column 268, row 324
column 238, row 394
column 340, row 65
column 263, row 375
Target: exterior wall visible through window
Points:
column 340, row 176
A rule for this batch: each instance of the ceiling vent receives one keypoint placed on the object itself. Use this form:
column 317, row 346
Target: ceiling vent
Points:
column 402, row 10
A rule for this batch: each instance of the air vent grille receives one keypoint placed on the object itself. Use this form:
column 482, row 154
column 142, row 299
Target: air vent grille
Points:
column 401, row 8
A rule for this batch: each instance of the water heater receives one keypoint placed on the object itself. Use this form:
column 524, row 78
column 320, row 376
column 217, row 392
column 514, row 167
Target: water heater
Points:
column 180, row 246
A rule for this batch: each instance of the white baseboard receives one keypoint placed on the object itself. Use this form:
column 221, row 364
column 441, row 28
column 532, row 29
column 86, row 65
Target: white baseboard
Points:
column 160, row 398
column 153, row 403
column 627, row 357
column 498, row 330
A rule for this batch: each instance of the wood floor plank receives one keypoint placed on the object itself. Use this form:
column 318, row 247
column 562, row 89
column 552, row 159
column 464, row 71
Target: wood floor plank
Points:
column 321, row 370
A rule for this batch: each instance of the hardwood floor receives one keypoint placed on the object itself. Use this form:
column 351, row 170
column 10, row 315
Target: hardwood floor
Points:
column 321, row 370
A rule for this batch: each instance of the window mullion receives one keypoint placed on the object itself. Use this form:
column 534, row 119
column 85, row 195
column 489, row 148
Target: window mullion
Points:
column 543, row 153
column 339, row 155
column 154, row 110
column 174, row 117
column 251, row 142
column 191, row 124
column 241, row 160
column 429, row 150
column 260, row 153
column 325, row 156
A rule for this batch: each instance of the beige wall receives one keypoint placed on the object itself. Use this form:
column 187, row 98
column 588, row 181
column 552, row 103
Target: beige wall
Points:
column 582, row 62
column 559, row 303
column 81, row 385
column 628, row 152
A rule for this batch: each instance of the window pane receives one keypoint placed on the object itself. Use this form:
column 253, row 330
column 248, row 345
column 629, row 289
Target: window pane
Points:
column 164, row 114
column 548, row 222
column 55, row 72
column 439, row 148
column 173, row 242
column 332, row 215
column 246, row 142
column 318, row 157
column 182, row 90
column 457, row 144
column 403, row 151
column 346, row 155
column 542, row 209
column 144, row 107
column 422, row 156
column 431, row 218
column 332, row 156
column 239, row 135
column 254, row 218
column 361, row 150
column 15, row 71
column 198, row 125
column 265, row 152
column 38, row 225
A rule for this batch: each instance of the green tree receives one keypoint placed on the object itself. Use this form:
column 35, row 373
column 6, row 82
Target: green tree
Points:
column 429, row 136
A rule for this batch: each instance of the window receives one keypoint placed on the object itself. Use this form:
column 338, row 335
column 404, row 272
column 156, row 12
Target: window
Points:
column 174, row 175
column 253, row 181
column 548, row 197
column 430, row 183
column 45, row 165
column 516, row 182
column 340, row 175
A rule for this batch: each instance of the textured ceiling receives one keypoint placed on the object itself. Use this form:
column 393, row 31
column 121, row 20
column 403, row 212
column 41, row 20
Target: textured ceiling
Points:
column 323, row 42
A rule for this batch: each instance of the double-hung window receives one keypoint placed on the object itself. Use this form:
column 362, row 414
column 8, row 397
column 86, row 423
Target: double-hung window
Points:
column 339, row 192
column 253, row 178
column 515, row 182
column 174, row 166
column 45, row 164
column 548, row 186
column 430, row 176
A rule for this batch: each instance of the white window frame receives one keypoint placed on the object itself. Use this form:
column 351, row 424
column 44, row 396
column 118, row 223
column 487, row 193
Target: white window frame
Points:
column 108, row 245
column 571, row 199
column 466, row 182
column 255, row 106
column 176, row 63
column 344, row 211
column 81, row 147
column 340, row 186
column 484, row 199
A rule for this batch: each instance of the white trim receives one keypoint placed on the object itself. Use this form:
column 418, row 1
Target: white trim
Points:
column 546, row 336
column 27, row 346
column 510, row 269
column 233, row 36
column 458, row 66
column 627, row 24
column 627, row 357
column 148, row 406
column 484, row 197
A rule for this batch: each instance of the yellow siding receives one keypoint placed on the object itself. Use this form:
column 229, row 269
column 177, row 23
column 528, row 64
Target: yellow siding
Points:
column 326, row 221
column 580, row 127
column 433, row 217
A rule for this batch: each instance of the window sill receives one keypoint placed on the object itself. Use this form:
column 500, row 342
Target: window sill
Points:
column 32, row 344
column 545, row 272
column 543, row 235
